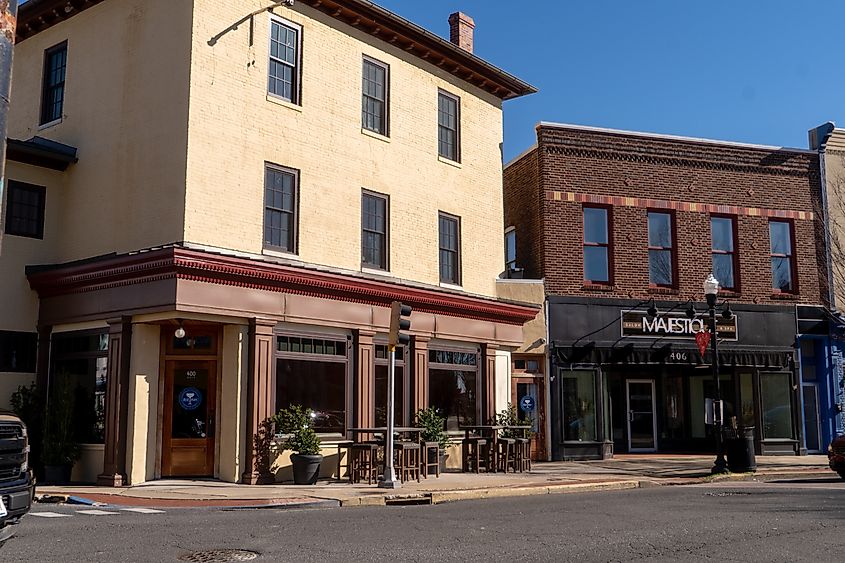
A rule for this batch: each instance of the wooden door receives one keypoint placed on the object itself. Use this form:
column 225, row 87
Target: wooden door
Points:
column 528, row 395
column 189, row 408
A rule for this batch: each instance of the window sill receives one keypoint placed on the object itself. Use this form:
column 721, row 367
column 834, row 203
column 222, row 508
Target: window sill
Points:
column 49, row 124
column 663, row 290
column 451, row 286
column 727, row 293
column 284, row 103
column 596, row 287
column 376, row 272
column 374, row 135
column 279, row 254
column 450, row 162
column 785, row 296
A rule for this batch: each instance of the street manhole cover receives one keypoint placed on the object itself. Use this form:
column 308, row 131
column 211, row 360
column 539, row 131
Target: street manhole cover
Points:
column 219, row 556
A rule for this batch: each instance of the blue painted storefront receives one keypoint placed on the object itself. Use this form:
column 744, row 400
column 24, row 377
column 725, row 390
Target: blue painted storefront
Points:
column 822, row 393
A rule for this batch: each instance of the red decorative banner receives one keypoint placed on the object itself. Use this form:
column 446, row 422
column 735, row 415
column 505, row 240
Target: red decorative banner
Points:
column 702, row 339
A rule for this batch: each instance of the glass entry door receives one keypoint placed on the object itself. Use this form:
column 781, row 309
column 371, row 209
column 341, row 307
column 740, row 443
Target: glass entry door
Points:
column 812, row 428
column 642, row 419
column 189, row 410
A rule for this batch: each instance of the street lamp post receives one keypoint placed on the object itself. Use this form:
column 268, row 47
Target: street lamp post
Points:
column 711, row 291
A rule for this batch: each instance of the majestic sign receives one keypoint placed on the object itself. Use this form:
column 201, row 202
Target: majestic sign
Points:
column 674, row 325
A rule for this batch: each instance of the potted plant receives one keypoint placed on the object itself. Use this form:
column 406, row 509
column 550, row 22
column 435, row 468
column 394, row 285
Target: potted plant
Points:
column 59, row 448
column 28, row 404
column 509, row 417
column 433, row 430
column 295, row 422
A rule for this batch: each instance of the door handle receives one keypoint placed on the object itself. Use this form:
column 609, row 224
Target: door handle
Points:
column 210, row 424
column 630, row 416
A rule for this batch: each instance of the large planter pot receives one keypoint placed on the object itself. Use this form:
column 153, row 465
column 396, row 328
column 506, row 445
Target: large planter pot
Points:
column 306, row 468
column 442, row 455
column 57, row 474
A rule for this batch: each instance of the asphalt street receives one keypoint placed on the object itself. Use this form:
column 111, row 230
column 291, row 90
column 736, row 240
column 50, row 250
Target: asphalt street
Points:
column 786, row 521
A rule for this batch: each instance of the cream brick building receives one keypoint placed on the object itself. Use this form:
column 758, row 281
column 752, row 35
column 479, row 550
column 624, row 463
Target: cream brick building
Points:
column 207, row 166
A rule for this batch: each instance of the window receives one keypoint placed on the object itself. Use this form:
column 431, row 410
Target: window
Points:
column 448, row 126
column 661, row 249
column 596, row 245
column 777, row 406
column 25, row 210
column 312, row 372
column 79, row 374
column 450, row 249
column 722, row 231
column 510, row 249
column 53, row 83
column 280, row 208
column 284, row 61
column 780, row 237
column 579, row 405
column 382, row 357
column 18, row 351
column 374, row 231
column 453, row 387
column 374, row 96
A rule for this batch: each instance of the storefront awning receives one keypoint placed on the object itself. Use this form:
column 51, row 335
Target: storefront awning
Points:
column 668, row 353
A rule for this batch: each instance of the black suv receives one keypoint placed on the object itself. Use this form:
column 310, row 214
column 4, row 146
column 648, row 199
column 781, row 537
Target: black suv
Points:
column 17, row 485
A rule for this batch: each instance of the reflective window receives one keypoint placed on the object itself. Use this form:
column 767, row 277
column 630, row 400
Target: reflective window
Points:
column 450, row 249
column 776, row 404
column 723, row 251
column 579, row 405
column 284, row 61
column 661, row 249
column 596, row 245
column 280, row 192
column 448, row 126
column 53, row 83
column 374, row 231
column 25, row 210
column 78, row 378
column 374, row 96
column 510, row 249
column 780, row 237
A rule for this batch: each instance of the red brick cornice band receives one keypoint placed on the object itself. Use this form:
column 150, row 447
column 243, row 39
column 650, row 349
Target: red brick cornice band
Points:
column 619, row 201
column 185, row 264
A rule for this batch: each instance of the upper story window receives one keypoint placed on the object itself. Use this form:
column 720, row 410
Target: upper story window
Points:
column 510, row 249
column 25, row 210
column 596, row 245
column 450, row 249
column 448, row 126
column 782, row 255
column 661, row 249
column 280, row 208
column 53, row 83
column 722, row 231
column 285, row 47
column 374, row 230
column 374, row 96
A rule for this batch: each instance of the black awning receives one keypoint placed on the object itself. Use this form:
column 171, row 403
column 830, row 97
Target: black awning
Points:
column 669, row 353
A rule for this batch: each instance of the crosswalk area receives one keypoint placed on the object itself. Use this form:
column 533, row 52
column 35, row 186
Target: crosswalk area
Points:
column 94, row 512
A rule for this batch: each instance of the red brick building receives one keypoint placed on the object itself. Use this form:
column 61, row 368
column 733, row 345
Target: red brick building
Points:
column 624, row 227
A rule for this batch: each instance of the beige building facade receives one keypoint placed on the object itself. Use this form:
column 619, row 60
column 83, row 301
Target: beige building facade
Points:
column 252, row 184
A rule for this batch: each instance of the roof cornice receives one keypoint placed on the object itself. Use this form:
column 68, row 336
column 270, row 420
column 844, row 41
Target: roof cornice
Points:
column 37, row 15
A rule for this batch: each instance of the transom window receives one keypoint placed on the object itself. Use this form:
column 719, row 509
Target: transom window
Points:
column 284, row 60
column 596, row 245
column 448, row 126
column 53, row 83
column 782, row 256
column 25, row 210
column 724, row 252
column 280, row 208
column 374, row 231
column 661, row 249
column 450, row 249
column 374, row 97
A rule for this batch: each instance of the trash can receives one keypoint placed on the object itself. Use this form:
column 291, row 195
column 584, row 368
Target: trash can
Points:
column 739, row 447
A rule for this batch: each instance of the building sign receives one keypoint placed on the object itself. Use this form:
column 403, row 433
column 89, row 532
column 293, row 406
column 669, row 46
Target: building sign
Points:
column 190, row 398
column 674, row 325
column 839, row 380
column 527, row 403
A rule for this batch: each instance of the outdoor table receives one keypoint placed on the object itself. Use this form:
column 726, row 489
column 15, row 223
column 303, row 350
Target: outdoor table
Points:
column 414, row 432
column 490, row 431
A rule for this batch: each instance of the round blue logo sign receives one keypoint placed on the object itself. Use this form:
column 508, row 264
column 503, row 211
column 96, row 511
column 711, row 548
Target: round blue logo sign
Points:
column 527, row 403
column 190, row 398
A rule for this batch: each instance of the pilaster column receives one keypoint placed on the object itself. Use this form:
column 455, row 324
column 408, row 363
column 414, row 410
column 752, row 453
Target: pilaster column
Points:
column 488, row 367
column 365, row 380
column 261, row 398
column 117, row 403
column 419, row 382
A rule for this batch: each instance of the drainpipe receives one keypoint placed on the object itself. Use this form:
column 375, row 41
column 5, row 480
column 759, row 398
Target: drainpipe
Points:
column 8, row 23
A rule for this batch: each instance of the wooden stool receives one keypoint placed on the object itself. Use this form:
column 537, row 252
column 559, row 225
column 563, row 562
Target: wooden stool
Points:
column 426, row 451
column 474, row 454
column 507, row 454
column 362, row 462
column 407, row 460
column 523, row 454
column 344, row 445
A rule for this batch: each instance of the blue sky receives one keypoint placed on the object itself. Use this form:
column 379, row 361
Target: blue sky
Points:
column 758, row 71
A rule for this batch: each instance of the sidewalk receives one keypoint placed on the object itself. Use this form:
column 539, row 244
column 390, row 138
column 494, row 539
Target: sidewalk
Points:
column 621, row 472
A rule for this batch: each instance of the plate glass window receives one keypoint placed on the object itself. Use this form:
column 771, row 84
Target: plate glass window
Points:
column 280, row 209
column 448, row 122
column 723, row 252
column 374, row 98
column 596, row 245
column 284, row 61
column 450, row 245
column 780, row 236
column 661, row 260
column 25, row 210
column 374, row 231
column 53, row 83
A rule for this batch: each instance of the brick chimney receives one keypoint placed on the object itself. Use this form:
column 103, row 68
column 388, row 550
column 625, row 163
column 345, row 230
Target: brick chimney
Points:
column 461, row 29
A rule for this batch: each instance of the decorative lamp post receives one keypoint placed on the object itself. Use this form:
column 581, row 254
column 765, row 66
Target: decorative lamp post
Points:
column 711, row 291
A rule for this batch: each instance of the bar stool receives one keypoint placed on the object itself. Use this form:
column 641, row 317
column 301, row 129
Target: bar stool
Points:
column 507, row 454
column 429, row 451
column 362, row 462
column 523, row 454
column 407, row 455
column 341, row 446
column 474, row 454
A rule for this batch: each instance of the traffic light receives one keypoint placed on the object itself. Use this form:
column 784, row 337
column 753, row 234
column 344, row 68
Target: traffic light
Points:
column 399, row 323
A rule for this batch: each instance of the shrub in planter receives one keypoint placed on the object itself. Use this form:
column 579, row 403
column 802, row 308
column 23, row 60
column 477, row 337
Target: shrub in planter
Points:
column 433, row 430
column 509, row 417
column 59, row 448
column 296, row 424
